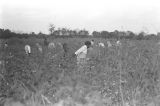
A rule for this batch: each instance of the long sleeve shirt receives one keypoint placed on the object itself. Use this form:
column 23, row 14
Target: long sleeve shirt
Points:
column 82, row 52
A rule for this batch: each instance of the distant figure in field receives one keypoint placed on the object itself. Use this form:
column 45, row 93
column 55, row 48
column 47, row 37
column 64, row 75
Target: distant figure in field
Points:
column 27, row 49
column 51, row 45
column 65, row 49
column 45, row 42
column 92, row 42
column 109, row 44
column 39, row 47
column 100, row 44
column 60, row 44
column 82, row 52
column 92, row 45
column 6, row 44
column 118, row 43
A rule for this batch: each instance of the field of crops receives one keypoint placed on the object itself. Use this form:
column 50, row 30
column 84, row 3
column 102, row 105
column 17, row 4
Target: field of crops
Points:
column 125, row 75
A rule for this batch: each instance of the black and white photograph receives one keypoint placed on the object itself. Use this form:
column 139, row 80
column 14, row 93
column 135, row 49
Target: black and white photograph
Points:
column 79, row 53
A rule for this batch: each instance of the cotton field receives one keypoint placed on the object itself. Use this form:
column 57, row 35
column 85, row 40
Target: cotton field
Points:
column 123, row 75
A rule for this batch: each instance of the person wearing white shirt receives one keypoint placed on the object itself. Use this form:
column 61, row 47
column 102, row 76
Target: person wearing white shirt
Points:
column 81, row 53
column 92, row 42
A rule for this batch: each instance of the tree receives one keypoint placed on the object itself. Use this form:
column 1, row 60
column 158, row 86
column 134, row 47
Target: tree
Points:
column 140, row 35
column 83, row 33
column 33, row 33
column 104, row 34
column 129, row 35
column 51, row 29
column 113, row 35
column 95, row 33
column 5, row 33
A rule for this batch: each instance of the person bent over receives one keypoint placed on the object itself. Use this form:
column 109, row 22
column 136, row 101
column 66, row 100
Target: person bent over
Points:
column 81, row 54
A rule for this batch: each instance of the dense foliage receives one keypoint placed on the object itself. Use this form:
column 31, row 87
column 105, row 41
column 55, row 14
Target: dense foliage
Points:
column 117, row 75
column 67, row 33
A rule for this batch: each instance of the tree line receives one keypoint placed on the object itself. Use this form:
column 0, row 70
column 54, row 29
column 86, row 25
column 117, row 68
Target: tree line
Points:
column 65, row 32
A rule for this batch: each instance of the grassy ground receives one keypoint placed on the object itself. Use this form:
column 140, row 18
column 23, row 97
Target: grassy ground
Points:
column 127, row 75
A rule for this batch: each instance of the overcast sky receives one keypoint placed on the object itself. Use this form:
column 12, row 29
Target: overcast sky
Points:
column 110, row 15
